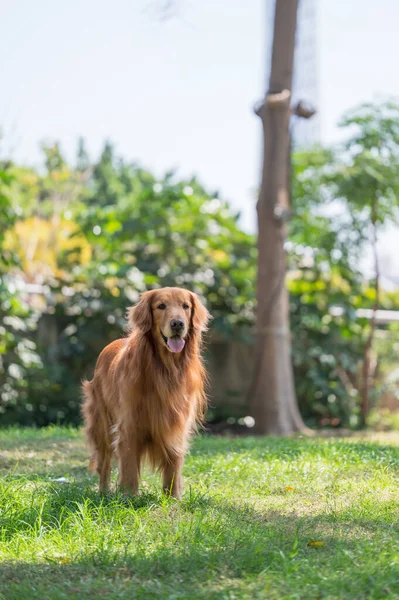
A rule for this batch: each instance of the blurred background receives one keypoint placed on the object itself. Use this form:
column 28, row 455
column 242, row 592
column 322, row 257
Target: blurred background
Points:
column 130, row 159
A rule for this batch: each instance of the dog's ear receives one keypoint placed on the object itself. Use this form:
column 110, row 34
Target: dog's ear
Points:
column 200, row 316
column 140, row 315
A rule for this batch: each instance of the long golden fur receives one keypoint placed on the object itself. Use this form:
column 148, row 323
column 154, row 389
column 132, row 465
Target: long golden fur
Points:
column 147, row 393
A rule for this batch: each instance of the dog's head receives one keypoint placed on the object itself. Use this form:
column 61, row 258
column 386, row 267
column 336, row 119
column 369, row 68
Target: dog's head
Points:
column 172, row 315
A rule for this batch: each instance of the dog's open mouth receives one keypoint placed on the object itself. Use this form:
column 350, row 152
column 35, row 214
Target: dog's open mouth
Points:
column 175, row 343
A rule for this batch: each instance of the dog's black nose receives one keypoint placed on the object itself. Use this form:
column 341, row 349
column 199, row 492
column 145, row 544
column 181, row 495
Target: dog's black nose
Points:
column 176, row 325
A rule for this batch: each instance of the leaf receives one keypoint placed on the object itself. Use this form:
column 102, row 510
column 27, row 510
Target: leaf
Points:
column 315, row 543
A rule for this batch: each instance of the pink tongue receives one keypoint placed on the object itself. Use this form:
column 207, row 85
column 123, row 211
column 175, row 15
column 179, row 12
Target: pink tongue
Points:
column 176, row 344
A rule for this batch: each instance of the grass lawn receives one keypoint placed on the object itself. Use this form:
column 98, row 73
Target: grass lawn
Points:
column 260, row 518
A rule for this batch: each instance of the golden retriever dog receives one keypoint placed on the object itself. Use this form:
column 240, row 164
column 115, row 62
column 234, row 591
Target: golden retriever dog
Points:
column 147, row 393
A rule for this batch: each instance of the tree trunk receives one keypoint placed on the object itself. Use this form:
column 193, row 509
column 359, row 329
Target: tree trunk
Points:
column 367, row 376
column 272, row 393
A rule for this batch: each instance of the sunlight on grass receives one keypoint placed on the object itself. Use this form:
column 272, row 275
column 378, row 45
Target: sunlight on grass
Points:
column 260, row 518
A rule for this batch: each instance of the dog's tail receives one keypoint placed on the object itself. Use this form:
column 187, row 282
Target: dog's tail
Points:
column 97, row 429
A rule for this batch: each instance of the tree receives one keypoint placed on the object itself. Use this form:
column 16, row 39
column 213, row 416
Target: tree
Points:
column 366, row 179
column 17, row 350
column 361, row 178
column 272, row 393
column 147, row 233
column 119, row 231
column 323, row 273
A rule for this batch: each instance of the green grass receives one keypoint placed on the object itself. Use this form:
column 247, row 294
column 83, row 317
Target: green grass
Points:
column 251, row 508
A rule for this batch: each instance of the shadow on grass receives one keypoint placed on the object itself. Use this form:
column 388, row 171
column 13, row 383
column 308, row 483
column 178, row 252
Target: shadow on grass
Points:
column 224, row 550
column 191, row 581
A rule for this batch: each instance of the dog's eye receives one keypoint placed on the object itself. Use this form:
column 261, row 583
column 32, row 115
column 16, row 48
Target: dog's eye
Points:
column 161, row 306
column 186, row 306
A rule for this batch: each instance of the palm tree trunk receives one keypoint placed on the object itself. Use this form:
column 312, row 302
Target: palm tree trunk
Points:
column 272, row 393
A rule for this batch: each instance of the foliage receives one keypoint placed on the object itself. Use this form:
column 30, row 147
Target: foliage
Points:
column 41, row 244
column 260, row 517
column 95, row 243
column 323, row 275
column 95, row 234
column 149, row 233
column 18, row 357
column 368, row 175
column 360, row 181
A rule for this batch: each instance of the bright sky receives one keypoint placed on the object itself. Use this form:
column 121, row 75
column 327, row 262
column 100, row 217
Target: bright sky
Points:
column 177, row 93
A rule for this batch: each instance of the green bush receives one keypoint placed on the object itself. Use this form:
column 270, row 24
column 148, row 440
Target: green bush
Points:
column 111, row 230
